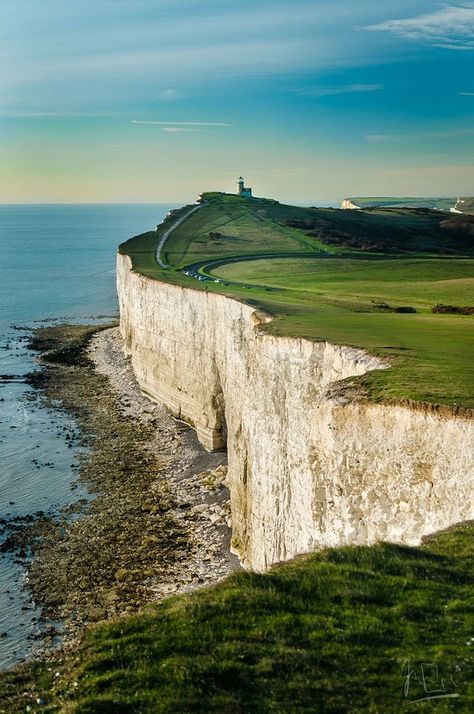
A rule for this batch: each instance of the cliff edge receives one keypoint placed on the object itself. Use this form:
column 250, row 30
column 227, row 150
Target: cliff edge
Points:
column 306, row 469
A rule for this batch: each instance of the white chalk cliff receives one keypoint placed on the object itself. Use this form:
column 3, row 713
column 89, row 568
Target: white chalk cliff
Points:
column 306, row 470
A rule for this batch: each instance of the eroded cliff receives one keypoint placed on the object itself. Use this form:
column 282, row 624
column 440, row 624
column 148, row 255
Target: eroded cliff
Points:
column 306, row 470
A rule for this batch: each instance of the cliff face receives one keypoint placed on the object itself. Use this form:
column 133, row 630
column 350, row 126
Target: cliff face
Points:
column 305, row 470
column 464, row 205
column 347, row 204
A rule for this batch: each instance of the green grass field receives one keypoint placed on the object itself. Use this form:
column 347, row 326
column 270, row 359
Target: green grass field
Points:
column 333, row 292
column 442, row 204
column 355, row 629
column 464, row 204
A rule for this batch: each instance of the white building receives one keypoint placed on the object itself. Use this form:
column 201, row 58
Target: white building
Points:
column 243, row 192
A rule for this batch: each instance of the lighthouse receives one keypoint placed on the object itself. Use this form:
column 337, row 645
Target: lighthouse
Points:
column 243, row 192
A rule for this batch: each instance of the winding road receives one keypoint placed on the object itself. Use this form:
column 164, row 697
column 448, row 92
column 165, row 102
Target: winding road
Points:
column 202, row 268
column 170, row 230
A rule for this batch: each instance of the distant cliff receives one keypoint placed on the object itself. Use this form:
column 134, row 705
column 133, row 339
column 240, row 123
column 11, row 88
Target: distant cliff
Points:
column 307, row 468
column 349, row 204
column 441, row 204
column 464, row 205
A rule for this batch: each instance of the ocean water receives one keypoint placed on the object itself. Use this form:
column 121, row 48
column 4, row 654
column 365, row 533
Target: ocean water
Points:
column 57, row 264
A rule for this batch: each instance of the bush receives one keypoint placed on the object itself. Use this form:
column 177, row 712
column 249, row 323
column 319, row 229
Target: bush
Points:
column 405, row 308
column 453, row 309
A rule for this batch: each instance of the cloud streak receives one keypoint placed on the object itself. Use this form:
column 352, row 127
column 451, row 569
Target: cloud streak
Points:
column 170, row 95
column 101, row 51
column 444, row 134
column 176, row 129
column 342, row 89
column 181, row 123
column 54, row 115
column 451, row 27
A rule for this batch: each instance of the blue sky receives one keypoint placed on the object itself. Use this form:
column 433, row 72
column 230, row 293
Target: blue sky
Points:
column 158, row 100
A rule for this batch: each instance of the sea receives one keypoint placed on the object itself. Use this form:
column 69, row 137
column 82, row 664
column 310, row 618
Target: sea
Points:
column 57, row 264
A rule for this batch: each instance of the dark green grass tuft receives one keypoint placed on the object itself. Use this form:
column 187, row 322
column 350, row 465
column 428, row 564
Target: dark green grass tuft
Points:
column 390, row 230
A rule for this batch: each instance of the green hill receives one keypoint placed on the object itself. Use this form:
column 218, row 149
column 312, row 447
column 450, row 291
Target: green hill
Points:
column 388, row 230
column 441, row 204
column 357, row 629
column 464, row 204
column 364, row 278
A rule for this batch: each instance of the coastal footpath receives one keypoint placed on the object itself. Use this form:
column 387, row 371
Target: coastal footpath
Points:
column 308, row 467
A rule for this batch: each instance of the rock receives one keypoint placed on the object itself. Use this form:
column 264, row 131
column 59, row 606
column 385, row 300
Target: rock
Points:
column 200, row 508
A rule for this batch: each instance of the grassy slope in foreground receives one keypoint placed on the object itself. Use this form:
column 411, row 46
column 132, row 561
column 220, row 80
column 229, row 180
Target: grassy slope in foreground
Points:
column 334, row 295
column 345, row 630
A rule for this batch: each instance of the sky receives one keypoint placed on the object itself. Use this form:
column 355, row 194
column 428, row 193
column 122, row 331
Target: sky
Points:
column 110, row 101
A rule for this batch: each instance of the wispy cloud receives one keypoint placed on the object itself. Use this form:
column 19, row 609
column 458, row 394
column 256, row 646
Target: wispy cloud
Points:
column 442, row 134
column 466, row 94
column 59, row 114
column 451, row 27
column 382, row 138
column 170, row 95
column 101, row 52
column 176, row 129
column 181, row 123
column 328, row 91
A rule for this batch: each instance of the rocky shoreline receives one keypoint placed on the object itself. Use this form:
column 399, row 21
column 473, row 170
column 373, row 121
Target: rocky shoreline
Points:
column 195, row 477
column 158, row 522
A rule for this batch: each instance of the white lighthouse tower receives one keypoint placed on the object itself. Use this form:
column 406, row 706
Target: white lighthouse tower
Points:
column 243, row 192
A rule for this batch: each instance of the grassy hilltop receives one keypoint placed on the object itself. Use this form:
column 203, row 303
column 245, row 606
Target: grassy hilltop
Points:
column 442, row 204
column 368, row 278
column 464, row 204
